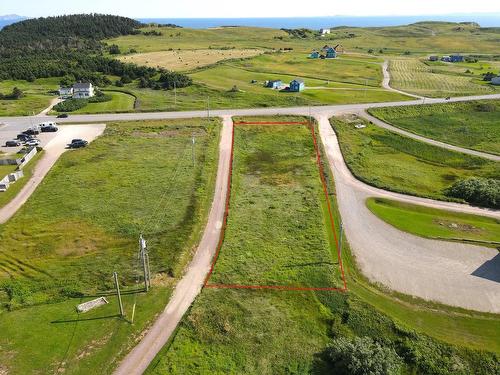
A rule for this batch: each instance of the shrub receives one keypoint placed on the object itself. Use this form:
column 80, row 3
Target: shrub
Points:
column 362, row 356
column 70, row 105
column 480, row 191
column 114, row 49
column 486, row 107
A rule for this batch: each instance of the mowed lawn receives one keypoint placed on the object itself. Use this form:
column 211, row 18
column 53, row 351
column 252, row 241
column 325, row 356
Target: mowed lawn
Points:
column 473, row 125
column 36, row 96
column 397, row 163
column 82, row 224
column 437, row 224
column 276, row 233
column 120, row 102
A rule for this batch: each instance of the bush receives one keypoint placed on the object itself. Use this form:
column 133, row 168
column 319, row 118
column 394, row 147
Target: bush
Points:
column 362, row 356
column 114, row 49
column 70, row 105
column 481, row 191
column 100, row 98
column 486, row 107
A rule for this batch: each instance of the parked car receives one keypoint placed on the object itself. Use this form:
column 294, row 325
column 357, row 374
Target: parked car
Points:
column 32, row 142
column 14, row 143
column 32, row 131
column 24, row 137
column 62, row 115
column 49, row 128
column 448, row 98
column 78, row 143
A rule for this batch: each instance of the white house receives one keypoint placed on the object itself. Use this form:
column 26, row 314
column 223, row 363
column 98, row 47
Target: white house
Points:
column 495, row 81
column 324, row 31
column 83, row 90
column 65, row 92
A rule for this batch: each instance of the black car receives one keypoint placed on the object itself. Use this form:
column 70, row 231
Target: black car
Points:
column 49, row 128
column 14, row 143
column 31, row 131
column 78, row 143
column 24, row 137
column 63, row 115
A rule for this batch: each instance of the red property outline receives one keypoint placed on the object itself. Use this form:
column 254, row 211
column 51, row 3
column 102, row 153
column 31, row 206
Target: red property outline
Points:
column 226, row 213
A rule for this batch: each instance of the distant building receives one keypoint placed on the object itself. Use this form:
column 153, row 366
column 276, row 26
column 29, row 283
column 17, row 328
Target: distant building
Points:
column 65, row 92
column 495, row 81
column 297, row 85
column 83, row 90
column 339, row 48
column 331, row 53
column 446, row 58
column 274, row 84
column 324, row 32
column 314, row 55
column 433, row 58
column 456, row 58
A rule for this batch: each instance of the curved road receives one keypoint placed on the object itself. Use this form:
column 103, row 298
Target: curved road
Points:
column 452, row 273
column 387, row 80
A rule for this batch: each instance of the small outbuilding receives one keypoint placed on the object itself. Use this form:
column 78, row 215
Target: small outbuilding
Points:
column 331, row 53
column 314, row 55
column 297, row 85
column 495, row 81
column 274, row 84
column 433, row 58
column 324, row 32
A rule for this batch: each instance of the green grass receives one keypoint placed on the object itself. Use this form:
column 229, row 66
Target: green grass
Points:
column 437, row 224
column 270, row 332
column 393, row 162
column 36, row 96
column 120, row 102
column 463, row 124
column 16, row 187
column 277, row 233
column 419, row 77
column 82, row 223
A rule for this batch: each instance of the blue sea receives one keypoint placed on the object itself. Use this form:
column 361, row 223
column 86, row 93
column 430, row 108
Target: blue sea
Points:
column 485, row 20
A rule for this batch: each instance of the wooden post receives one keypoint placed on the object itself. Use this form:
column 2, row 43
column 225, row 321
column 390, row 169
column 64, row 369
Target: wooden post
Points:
column 117, row 286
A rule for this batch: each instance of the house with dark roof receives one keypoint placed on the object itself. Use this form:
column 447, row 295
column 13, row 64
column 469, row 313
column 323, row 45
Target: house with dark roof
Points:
column 314, row 55
column 274, row 84
column 297, row 85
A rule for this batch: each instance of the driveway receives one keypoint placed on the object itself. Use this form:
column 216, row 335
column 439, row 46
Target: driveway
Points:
column 55, row 147
column 452, row 273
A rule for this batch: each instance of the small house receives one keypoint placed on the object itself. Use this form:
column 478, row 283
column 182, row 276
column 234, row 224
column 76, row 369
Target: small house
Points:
column 324, row 32
column 433, row 58
column 495, row 81
column 83, row 90
column 446, row 58
column 339, row 48
column 456, row 58
column 274, row 84
column 297, row 85
column 314, row 55
column 65, row 92
column 331, row 53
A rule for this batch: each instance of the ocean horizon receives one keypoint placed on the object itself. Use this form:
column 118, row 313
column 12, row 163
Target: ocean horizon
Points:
column 485, row 20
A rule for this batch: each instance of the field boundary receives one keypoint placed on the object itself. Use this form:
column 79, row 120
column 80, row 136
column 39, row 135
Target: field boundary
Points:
column 310, row 126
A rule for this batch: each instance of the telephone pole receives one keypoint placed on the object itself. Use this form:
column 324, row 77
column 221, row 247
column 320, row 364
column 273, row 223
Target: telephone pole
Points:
column 117, row 286
column 193, row 141
column 143, row 253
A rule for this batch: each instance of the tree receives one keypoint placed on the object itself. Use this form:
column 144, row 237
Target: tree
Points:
column 16, row 93
column 114, row 49
column 480, row 191
column 362, row 356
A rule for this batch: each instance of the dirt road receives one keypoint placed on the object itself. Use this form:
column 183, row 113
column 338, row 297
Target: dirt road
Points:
column 451, row 273
column 191, row 283
column 53, row 150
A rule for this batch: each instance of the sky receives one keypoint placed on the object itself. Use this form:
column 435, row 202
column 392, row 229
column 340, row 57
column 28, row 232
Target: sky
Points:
column 243, row 8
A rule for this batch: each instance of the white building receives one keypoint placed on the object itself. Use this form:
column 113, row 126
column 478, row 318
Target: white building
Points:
column 324, row 32
column 83, row 90
column 495, row 81
column 65, row 92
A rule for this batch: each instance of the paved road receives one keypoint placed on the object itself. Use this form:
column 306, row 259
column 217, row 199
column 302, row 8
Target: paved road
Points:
column 53, row 150
column 190, row 286
column 451, row 273
column 433, row 142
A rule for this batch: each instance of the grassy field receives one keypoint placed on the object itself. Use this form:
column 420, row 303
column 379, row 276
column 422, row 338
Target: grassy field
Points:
column 271, row 332
column 120, row 102
column 393, row 162
column 419, row 77
column 275, row 172
column 82, row 223
column 419, row 38
column 437, row 224
column 36, row 96
column 14, row 188
column 188, row 59
column 472, row 125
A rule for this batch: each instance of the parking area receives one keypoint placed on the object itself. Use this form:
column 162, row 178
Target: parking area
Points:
column 10, row 132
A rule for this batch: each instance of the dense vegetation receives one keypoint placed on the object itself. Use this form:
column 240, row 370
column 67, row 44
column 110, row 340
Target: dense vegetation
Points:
column 71, row 47
column 480, row 191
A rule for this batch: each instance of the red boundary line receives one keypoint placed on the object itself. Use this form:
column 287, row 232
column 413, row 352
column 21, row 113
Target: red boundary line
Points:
column 226, row 213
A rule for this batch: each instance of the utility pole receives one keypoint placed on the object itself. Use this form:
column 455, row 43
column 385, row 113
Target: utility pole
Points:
column 145, row 262
column 175, row 94
column 117, row 286
column 193, row 141
column 340, row 239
